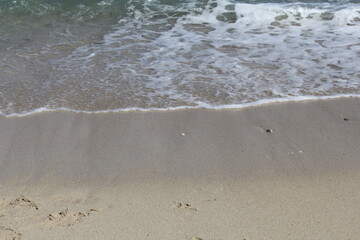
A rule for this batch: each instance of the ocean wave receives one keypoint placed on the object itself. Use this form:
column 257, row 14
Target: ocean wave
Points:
column 90, row 9
column 169, row 54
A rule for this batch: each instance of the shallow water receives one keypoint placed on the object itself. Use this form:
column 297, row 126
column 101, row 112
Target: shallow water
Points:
column 107, row 55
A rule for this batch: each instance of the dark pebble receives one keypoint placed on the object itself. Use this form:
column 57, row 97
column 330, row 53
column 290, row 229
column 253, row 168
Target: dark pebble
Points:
column 346, row 119
column 268, row 130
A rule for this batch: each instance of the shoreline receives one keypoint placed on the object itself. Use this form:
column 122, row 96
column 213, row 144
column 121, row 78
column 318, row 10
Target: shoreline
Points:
column 181, row 174
column 259, row 103
column 194, row 142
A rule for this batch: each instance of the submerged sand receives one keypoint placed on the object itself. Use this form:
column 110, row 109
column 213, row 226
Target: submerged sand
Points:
column 182, row 174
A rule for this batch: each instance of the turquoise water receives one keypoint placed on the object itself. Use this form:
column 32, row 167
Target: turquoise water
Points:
column 92, row 9
column 117, row 55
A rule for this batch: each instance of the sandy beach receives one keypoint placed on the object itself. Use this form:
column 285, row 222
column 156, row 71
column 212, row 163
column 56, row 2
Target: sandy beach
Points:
column 277, row 171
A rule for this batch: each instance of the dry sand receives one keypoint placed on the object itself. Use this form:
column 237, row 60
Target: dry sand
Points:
column 184, row 174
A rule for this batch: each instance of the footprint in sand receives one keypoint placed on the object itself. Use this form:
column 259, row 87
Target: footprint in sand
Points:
column 9, row 234
column 67, row 218
column 183, row 206
column 23, row 201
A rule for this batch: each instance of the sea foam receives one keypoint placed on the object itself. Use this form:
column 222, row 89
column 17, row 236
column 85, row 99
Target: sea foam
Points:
column 187, row 55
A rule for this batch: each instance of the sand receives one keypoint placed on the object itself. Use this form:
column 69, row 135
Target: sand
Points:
column 186, row 174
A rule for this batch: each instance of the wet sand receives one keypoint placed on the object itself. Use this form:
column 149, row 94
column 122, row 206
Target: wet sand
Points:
column 277, row 171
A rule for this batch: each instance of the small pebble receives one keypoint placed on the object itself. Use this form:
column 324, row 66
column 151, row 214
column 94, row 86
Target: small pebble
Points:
column 183, row 134
column 346, row 119
column 269, row 130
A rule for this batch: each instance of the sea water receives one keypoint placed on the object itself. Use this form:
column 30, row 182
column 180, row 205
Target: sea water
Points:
column 118, row 55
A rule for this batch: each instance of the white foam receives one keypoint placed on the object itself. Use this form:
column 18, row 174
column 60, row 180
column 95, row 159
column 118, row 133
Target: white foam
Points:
column 200, row 106
column 232, row 54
